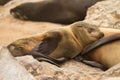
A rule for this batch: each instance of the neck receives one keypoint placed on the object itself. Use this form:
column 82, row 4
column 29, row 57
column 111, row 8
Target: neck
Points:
column 82, row 38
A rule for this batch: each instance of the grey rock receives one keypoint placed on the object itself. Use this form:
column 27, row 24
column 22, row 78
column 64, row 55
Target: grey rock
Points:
column 105, row 14
column 10, row 69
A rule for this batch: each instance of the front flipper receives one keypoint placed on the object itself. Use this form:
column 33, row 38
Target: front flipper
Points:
column 55, row 62
column 41, row 57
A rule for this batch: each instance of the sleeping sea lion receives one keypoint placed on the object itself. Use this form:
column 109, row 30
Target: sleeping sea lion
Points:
column 59, row 44
column 58, row 11
column 105, row 51
column 2, row 2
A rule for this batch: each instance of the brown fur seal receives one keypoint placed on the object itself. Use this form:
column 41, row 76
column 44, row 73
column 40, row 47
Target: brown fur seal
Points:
column 106, row 51
column 2, row 2
column 58, row 11
column 59, row 44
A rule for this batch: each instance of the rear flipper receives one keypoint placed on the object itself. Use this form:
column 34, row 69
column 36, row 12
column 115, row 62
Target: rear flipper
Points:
column 94, row 64
column 90, row 63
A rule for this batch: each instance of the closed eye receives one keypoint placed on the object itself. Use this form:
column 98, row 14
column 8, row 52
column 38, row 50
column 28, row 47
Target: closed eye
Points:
column 90, row 30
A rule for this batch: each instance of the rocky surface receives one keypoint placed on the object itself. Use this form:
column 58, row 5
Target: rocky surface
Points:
column 70, row 70
column 104, row 13
column 10, row 69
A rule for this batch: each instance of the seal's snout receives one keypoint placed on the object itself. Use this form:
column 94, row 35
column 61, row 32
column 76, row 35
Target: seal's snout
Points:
column 11, row 47
column 17, row 13
column 15, row 51
column 11, row 10
column 101, row 35
column 97, row 35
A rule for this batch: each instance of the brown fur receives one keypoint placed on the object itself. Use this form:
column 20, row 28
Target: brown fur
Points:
column 108, row 54
column 106, row 51
column 58, row 11
column 65, row 42
column 3, row 2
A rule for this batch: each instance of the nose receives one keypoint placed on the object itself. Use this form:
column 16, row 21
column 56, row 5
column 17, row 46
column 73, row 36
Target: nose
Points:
column 11, row 10
column 100, row 35
column 11, row 47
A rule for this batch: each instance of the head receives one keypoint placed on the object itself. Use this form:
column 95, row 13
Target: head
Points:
column 29, row 10
column 86, row 32
column 21, row 46
column 46, row 42
column 22, row 11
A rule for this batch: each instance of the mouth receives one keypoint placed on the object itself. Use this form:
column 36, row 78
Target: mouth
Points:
column 98, row 36
column 16, row 51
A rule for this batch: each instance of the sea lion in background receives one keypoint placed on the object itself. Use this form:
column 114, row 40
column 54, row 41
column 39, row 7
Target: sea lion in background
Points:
column 2, row 2
column 58, row 11
column 105, row 51
column 60, row 44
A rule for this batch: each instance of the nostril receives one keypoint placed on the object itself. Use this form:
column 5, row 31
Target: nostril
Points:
column 12, row 10
column 101, row 34
column 15, row 13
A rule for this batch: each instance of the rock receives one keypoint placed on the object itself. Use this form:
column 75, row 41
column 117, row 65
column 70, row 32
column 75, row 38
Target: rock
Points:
column 10, row 69
column 113, row 72
column 70, row 70
column 112, row 78
column 105, row 14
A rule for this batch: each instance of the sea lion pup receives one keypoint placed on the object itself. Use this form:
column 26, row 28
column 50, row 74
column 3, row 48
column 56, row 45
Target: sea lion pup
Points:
column 105, row 51
column 58, row 11
column 60, row 44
